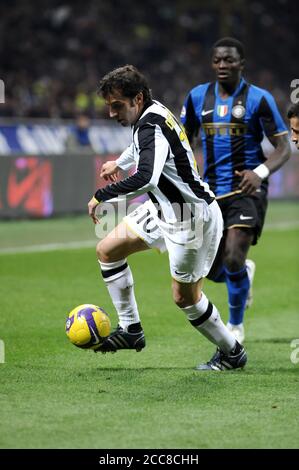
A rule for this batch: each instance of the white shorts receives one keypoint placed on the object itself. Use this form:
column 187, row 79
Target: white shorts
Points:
column 191, row 250
column 144, row 222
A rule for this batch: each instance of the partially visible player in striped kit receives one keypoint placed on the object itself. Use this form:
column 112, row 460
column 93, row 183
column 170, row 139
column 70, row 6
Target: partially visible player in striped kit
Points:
column 293, row 115
column 182, row 216
column 232, row 117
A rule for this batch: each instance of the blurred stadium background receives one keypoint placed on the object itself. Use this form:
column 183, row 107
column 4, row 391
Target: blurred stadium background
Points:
column 53, row 127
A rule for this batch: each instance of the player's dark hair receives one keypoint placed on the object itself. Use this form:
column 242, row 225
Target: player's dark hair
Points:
column 231, row 42
column 293, row 111
column 128, row 81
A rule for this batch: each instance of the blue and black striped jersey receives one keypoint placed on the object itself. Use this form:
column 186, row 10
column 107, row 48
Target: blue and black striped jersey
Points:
column 231, row 130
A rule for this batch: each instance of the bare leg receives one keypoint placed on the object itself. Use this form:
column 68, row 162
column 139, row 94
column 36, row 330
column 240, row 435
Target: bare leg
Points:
column 119, row 244
column 237, row 244
column 112, row 252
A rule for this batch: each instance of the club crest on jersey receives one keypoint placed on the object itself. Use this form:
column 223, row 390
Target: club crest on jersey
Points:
column 238, row 111
column 222, row 110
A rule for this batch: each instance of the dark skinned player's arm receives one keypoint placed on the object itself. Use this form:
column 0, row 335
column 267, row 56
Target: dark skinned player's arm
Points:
column 251, row 179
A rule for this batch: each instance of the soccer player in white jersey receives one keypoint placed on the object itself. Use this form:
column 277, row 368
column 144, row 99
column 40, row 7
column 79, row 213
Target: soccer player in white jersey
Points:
column 182, row 216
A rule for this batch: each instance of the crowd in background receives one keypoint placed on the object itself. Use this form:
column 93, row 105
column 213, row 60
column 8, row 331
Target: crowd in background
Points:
column 53, row 52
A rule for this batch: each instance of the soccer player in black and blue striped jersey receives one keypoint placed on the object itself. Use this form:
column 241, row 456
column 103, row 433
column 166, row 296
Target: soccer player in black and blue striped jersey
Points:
column 293, row 115
column 232, row 117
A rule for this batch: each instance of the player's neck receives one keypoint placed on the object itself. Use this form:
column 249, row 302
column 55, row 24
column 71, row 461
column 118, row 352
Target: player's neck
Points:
column 143, row 109
column 227, row 89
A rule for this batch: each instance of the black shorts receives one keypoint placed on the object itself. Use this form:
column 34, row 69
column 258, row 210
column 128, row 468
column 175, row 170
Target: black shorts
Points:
column 241, row 210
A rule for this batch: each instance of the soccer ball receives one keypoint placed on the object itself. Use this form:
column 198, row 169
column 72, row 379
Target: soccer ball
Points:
column 87, row 326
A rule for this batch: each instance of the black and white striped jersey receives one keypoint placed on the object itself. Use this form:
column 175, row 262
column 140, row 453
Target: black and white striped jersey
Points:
column 166, row 167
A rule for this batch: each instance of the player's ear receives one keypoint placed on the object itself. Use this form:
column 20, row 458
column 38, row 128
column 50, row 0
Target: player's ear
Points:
column 242, row 62
column 139, row 98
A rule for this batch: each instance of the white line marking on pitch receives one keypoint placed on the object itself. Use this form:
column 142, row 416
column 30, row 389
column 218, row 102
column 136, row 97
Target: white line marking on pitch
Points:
column 49, row 247
column 280, row 226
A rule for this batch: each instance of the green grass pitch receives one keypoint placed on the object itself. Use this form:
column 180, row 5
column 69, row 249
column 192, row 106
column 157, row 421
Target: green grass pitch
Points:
column 53, row 395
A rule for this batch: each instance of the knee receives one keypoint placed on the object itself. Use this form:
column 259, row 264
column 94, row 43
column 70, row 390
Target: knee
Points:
column 183, row 299
column 233, row 260
column 180, row 300
column 237, row 244
column 103, row 252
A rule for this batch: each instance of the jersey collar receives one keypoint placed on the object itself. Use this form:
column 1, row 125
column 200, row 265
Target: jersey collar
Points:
column 237, row 90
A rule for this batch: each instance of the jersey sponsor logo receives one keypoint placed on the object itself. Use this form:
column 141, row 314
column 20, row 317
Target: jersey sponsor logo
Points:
column 204, row 113
column 225, row 129
column 238, row 111
column 222, row 110
column 244, row 217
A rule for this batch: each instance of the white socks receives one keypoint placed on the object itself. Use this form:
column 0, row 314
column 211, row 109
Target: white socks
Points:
column 119, row 281
column 205, row 317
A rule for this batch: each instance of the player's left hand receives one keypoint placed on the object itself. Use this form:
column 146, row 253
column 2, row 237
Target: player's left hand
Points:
column 110, row 171
column 93, row 203
column 250, row 181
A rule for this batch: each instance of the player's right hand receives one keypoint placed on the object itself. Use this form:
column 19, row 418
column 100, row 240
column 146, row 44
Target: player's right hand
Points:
column 250, row 181
column 109, row 171
column 93, row 203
